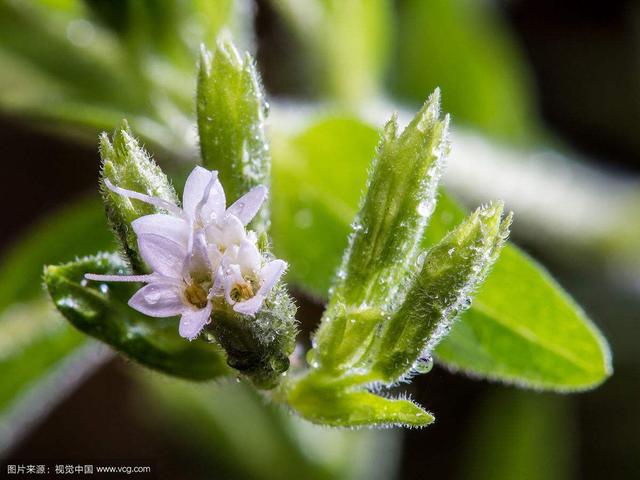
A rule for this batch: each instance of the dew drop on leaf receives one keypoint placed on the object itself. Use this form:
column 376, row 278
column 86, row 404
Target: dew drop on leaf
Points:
column 423, row 365
column 425, row 208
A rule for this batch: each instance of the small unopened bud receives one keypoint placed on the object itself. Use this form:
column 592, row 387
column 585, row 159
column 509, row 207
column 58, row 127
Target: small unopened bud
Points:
column 126, row 164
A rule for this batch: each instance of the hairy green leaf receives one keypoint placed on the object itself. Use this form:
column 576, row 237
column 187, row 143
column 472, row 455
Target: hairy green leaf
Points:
column 102, row 312
column 385, row 312
column 231, row 111
column 443, row 288
column 386, row 234
column 522, row 327
column 327, row 400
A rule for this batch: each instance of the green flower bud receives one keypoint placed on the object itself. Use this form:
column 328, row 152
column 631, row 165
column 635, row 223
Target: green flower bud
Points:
column 127, row 165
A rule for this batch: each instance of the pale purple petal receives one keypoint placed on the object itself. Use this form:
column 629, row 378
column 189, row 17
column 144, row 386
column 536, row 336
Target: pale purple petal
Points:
column 270, row 274
column 121, row 278
column 201, row 193
column 250, row 306
column 155, row 201
column 232, row 231
column 217, row 288
column 193, row 321
column 246, row 207
column 168, row 226
column 248, row 257
column 162, row 255
column 252, row 237
column 215, row 257
column 230, row 256
column 158, row 300
column 213, row 206
column 197, row 264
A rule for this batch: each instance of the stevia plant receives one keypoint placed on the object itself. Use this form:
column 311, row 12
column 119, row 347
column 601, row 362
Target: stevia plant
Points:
column 209, row 259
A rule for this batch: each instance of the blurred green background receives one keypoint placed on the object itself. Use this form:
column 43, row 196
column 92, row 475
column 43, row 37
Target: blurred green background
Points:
column 545, row 100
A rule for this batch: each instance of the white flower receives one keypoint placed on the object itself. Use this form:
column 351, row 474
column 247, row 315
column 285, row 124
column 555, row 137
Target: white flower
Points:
column 182, row 282
column 199, row 252
column 245, row 280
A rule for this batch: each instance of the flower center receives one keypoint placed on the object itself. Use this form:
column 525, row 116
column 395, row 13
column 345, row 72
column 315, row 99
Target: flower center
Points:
column 196, row 295
column 242, row 291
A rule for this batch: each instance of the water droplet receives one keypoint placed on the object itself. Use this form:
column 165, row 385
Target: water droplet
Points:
column 104, row 288
column 303, row 218
column 153, row 297
column 81, row 32
column 423, row 365
column 425, row 208
column 451, row 250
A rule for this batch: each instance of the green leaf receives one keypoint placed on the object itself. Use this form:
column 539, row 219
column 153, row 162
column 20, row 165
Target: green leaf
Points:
column 451, row 272
column 383, row 249
column 125, row 164
column 36, row 345
column 537, row 335
column 231, row 112
column 325, row 400
column 524, row 329
column 384, row 312
column 102, row 312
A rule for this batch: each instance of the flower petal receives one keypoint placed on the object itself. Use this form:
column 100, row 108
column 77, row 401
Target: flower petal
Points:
column 197, row 265
column 193, row 321
column 230, row 256
column 232, row 231
column 248, row 257
column 164, row 256
column 168, row 226
column 155, row 201
column 217, row 288
column 251, row 306
column 270, row 274
column 246, row 207
column 197, row 194
column 215, row 257
column 158, row 300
